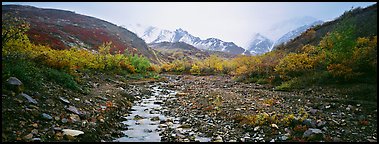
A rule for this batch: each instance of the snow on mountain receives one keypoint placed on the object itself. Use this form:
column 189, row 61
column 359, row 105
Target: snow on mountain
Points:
column 279, row 29
column 259, row 44
column 296, row 32
column 155, row 35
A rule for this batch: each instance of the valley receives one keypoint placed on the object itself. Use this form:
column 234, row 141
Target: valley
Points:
column 68, row 77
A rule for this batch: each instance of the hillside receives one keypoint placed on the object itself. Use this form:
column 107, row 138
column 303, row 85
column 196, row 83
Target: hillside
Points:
column 64, row 29
column 362, row 20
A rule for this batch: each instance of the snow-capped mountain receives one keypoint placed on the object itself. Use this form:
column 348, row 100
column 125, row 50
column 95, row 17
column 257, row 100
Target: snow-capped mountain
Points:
column 155, row 35
column 279, row 29
column 278, row 34
column 296, row 32
column 259, row 44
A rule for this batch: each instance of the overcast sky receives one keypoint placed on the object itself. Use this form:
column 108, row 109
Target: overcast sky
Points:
column 227, row 21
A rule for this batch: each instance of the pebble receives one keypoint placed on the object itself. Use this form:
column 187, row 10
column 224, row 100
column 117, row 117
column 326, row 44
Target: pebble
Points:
column 46, row 116
column 71, row 132
column 73, row 109
column 28, row 136
column 64, row 100
column 311, row 131
column 36, row 139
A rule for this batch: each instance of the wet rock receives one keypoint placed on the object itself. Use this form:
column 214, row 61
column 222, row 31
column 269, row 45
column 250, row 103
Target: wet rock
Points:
column 71, row 132
column 147, row 130
column 185, row 126
column 46, row 116
column 64, row 100
column 138, row 117
column 64, row 120
column 73, row 109
column 155, row 118
column 30, row 99
column 162, row 126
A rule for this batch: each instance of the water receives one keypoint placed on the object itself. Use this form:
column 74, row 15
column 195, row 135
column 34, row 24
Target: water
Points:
column 146, row 130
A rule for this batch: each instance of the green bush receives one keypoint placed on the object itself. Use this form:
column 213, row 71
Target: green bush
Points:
column 61, row 78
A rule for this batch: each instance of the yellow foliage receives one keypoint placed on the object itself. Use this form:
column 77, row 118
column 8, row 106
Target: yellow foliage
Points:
column 195, row 69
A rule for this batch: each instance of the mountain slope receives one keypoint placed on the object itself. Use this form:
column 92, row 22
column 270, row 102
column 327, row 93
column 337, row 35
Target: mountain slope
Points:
column 259, row 44
column 362, row 20
column 296, row 32
column 155, row 35
column 63, row 29
column 182, row 50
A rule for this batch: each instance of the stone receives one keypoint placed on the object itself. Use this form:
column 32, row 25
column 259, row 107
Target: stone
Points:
column 14, row 81
column 64, row 100
column 311, row 131
column 256, row 128
column 64, row 120
column 307, row 122
column 283, row 138
column 218, row 139
column 162, row 126
column 73, row 109
column 74, row 117
column 274, row 126
column 30, row 99
column 71, row 132
column 155, row 118
column 47, row 116
column 138, row 117
column 185, row 126
column 181, row 94
column 35, row 125
column 28, row 136
column 36, row 139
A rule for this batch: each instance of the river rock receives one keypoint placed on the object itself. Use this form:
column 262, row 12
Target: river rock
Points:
column 312, row 131
column 30, row 99
column 28, row 136
column 14, row 81
column 73, row 109
column 64, row 100
column 71, row 132
column 47, row 116
column 74, row 117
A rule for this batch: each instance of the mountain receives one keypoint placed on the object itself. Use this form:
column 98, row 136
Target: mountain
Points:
column 155, row 35
column 277, row 30
column 62, row 29
column 363, row 22
column 180, row 50
column 296, row 32
column 259, row 44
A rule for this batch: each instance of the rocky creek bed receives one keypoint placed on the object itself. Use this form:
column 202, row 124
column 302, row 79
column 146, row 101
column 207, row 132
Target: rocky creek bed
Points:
column 183, row 109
